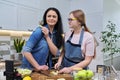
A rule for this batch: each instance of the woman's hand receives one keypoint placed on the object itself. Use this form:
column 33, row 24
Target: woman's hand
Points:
column 42, row 67
column 57, row 65
column 45, row 31
column 66, row 70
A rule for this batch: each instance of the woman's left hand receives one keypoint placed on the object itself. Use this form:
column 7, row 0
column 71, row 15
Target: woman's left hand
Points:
column 65, row 70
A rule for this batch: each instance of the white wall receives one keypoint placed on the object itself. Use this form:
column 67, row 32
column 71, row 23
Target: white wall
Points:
column 112, row 12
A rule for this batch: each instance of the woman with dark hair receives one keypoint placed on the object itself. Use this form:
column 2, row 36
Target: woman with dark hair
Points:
column 80, row 45
column 44, row 42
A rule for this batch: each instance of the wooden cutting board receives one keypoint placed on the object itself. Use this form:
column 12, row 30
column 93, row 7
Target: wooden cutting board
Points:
column 40, row 76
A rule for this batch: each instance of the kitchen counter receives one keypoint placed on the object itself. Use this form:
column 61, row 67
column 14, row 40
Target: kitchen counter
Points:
column 46, row 75
column 16, row 63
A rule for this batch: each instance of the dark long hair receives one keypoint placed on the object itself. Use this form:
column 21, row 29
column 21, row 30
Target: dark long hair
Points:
column 58, row 26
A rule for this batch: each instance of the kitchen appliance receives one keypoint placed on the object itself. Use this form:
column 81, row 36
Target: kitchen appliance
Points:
column 10, row 72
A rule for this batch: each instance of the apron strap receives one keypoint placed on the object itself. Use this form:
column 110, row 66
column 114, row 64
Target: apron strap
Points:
column 81, row 36
column 71, row 36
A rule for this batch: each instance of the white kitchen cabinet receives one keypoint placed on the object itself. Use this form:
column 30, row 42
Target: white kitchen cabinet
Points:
column 28, row 18
column 26, row 14
column 19, row 15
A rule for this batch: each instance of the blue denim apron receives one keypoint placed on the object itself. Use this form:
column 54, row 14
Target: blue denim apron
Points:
column 73, row 52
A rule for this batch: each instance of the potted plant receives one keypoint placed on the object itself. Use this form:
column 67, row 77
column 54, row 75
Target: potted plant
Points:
column 18, row 45
column 110, row 39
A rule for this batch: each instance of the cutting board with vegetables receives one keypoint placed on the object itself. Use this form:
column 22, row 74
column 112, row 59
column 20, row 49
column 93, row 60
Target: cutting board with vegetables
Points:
column 50, row 75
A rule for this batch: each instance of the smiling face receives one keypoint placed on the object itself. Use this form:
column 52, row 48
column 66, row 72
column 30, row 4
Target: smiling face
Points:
column 51, row 18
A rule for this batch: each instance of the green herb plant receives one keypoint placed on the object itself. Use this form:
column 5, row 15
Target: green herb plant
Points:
column 18, row 44
column 110, row 39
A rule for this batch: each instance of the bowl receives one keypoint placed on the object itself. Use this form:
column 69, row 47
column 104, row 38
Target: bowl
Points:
column 24, row 72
